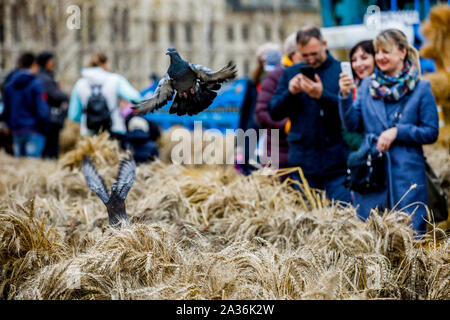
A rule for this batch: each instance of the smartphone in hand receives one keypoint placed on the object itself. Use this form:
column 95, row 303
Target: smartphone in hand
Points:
column 347, row 68
column 308, row 71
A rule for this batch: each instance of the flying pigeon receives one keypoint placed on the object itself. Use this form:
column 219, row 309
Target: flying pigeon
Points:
column 194, row 84
column 114, row 202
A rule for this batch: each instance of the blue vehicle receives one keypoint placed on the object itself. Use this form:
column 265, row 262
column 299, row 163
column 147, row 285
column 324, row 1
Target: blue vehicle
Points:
column 222, row 114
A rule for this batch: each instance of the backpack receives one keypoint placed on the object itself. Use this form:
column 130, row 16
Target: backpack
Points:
column 98, row 115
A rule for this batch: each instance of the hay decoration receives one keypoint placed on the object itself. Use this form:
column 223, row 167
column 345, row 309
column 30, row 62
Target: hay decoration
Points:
column 201, row 233
column 27, row 244
column 69, row 136
column 100, row 147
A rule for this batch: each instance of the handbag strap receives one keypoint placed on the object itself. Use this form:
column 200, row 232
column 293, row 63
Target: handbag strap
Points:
column 370, row 139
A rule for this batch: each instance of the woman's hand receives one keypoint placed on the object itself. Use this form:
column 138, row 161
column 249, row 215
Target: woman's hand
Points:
column 386, row 138
column 345, row 84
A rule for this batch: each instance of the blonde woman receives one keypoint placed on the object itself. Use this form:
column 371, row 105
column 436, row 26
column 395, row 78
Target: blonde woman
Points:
column 394, row 88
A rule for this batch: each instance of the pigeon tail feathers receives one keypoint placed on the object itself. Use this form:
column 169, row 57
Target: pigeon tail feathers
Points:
column 114, row 202
column 93, row 179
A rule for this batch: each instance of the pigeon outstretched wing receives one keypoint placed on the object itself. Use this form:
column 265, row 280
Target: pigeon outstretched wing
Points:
column 94, row 181
column 163, row 93
column 125, row 178
column 209, row 76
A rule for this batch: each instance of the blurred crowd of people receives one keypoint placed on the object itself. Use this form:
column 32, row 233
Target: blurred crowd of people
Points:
column 32, row 102
column 322, row 113
column 35, row 108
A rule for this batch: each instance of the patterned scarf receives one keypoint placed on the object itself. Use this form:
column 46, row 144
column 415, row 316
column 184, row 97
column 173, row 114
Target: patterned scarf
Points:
column 394, row 88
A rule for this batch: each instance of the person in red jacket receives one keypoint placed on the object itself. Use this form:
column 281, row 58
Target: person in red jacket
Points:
column 268, row 87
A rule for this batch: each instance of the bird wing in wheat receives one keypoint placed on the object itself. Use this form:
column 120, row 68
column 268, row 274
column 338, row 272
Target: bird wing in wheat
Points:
column 209, row 76
column 163, row 93
column 94, row 181
column 125, row 178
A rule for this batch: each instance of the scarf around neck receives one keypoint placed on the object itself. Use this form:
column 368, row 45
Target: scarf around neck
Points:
column 394, row 88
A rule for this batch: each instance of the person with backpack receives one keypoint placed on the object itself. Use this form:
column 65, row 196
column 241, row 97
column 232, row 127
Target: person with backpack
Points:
column 307, row 95
column 94, row 102
column 26, row 111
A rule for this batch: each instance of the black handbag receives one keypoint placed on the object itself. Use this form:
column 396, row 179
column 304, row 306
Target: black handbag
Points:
column 365, row 171
column 437, row 200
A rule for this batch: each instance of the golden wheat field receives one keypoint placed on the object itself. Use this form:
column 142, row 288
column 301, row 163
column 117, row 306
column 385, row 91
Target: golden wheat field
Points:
column 202, row 233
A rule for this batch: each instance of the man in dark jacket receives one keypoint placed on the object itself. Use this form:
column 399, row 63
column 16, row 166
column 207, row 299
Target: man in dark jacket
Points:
column 56, row 99
column 315, row 141
column 26, row 110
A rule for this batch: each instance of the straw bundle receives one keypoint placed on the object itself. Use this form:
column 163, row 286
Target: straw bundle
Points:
column 200, row 233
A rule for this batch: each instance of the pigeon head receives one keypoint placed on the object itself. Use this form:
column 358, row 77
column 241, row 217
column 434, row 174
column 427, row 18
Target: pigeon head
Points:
column 173, row 54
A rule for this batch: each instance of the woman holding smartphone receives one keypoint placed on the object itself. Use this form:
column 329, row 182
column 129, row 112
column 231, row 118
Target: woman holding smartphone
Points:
column 394, row 88
column 362, row 59
column 362, row 65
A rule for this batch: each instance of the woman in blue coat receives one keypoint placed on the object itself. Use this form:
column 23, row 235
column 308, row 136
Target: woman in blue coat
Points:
column 395, row 85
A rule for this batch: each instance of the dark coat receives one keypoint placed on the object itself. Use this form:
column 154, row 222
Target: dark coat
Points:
column 247, row 118
column 143, row 149
column 315, row 139
column 8, row 77
column 142, row 143
column 26, row 109
column 268, row 87
column 418, row 125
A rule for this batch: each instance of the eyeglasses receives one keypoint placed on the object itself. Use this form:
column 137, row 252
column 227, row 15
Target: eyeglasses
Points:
column 314, row 54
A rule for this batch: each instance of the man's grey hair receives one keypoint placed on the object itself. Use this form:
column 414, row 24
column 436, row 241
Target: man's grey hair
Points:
column 306, row 33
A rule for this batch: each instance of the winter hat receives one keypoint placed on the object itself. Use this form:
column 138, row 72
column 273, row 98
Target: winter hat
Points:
column 43, row 57
column 138, row 123
column 272, row 60
column 262, row 50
